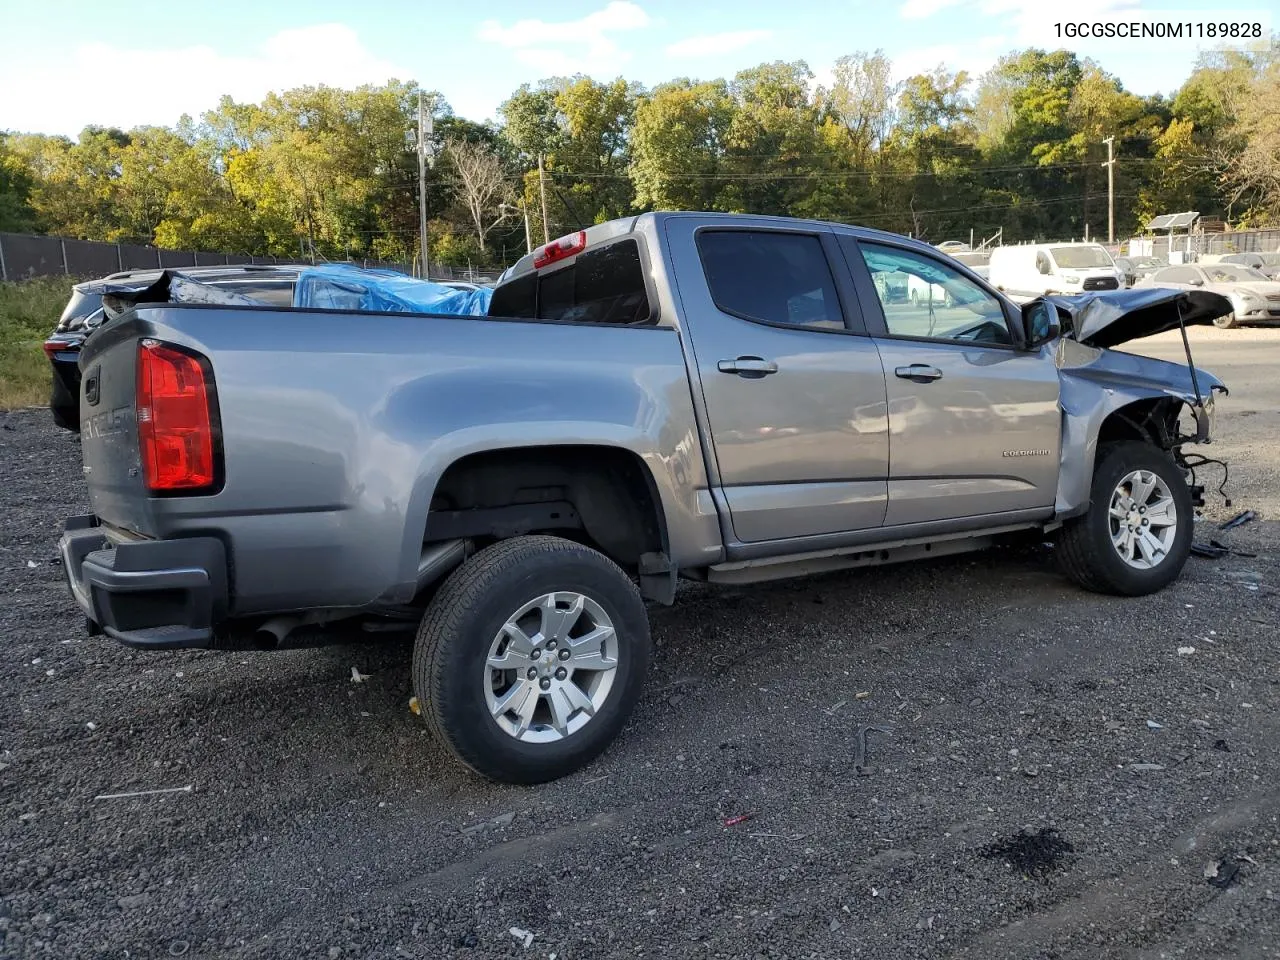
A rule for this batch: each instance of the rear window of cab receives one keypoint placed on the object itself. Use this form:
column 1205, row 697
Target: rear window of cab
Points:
column 601, row 285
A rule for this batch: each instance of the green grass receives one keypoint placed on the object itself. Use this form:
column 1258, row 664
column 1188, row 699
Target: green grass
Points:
column 29, row 310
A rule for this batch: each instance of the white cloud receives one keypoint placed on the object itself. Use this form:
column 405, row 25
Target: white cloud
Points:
column 974, row 58
column 571, row 46
column 923, row 9
column 717, row 44
column 1033, row 20
column 130, row 85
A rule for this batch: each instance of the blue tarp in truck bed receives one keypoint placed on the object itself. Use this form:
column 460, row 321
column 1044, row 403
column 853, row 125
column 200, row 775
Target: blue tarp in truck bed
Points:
column 341, row 287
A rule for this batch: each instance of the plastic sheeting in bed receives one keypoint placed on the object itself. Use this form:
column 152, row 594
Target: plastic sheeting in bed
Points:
column 340, row 287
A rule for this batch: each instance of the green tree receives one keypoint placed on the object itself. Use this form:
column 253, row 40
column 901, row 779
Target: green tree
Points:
column 678, row 145
column 16, row 182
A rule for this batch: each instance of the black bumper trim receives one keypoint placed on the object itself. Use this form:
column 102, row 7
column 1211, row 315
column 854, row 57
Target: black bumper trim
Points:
column 158, row 594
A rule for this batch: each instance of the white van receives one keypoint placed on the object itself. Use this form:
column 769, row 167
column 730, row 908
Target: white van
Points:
column 1034, row 269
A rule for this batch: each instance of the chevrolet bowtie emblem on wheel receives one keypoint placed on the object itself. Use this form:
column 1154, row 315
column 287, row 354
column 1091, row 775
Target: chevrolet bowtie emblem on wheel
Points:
column 1026, row 453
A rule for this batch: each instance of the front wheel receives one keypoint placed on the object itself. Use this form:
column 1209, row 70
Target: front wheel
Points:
column 531, row 657
column 1225, row 322
column 1136, row 536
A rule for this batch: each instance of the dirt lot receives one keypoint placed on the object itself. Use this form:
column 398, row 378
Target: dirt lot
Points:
column 1060, row 778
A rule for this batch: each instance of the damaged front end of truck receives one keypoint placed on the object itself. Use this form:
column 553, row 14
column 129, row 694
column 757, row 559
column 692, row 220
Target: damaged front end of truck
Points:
column 1108, row 395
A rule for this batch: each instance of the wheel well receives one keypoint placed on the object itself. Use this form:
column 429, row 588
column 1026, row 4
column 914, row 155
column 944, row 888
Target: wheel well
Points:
column 1154, row 420
column 601, row 496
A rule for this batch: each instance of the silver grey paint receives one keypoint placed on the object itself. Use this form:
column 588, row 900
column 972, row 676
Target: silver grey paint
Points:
column 337, row 428
column 1096, row 383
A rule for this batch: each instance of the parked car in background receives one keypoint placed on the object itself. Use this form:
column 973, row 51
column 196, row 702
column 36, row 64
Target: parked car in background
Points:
column 892, row 286
column 1032, row 270
column 269, row 283
column 976, row 260
column 1267, row 264
column 1254, row 298
column 1135, row 268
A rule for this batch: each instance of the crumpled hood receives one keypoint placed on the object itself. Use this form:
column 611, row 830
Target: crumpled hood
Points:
column 1113, row 317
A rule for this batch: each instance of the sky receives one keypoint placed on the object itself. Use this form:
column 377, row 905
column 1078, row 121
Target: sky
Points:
column 131, row 62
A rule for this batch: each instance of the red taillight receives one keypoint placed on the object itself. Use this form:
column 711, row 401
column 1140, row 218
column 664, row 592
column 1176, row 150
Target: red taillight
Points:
column 175, row 429
column 52, row 347
column 560, row 249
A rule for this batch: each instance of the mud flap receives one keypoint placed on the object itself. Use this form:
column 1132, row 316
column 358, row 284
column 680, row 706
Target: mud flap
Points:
column 657, row 578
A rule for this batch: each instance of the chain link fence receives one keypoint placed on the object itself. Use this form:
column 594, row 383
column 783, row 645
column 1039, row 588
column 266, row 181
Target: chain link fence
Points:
column 1205, row 243
column 23, row 256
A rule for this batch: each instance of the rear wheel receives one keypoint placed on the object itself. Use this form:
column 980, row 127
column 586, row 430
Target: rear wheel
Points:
column 531, row 657
column 1136, row 536
column 1225, row 322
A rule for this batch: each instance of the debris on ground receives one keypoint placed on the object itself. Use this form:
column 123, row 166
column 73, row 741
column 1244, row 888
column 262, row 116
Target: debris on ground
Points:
column 1186, row 651
column 1034, row 855
column 415, row 707
column 1239, row 520
column 501, row 820
column 1221, row 874
column 31, row 564
column 469, row 941
column 145, row 793
column 1146, row 767
column 525, row 936
column 357, row 676
column 1221, row 746
column 862, row 695
column 860, row 765
column 739, row 819
column 1153, row 725
column 1209, row 551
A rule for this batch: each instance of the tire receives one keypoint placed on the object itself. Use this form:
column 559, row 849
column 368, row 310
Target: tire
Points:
column 467, row 621
column 1225, row 322
column 1087, row 552
column 64, row 406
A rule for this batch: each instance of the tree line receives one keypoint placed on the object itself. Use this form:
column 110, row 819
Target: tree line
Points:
column 334, row 172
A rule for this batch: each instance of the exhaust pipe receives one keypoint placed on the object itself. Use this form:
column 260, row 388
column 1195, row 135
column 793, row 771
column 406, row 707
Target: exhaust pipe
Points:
column 284, row 632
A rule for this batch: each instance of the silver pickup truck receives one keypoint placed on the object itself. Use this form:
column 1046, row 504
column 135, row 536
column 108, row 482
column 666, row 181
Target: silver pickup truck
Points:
column 716, row 397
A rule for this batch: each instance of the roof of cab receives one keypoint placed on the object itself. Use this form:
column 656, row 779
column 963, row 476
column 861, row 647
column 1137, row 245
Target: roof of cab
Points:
column 610, row 229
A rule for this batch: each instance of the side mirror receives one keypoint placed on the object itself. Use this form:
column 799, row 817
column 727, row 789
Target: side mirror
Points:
column 1039, row 323
column 1197, row 282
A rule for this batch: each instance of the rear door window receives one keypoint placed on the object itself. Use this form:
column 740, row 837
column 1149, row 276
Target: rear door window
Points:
column 771, row 276
column 604, row 285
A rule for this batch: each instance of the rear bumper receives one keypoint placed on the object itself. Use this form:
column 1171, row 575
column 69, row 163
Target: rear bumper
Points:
column 161, row 594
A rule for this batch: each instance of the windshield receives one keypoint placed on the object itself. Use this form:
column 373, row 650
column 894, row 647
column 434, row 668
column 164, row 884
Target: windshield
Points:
column 1077, row 258
column 1220, row 273
column 1147, row 263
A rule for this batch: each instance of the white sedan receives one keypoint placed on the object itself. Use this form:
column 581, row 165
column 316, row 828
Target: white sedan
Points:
column 1254, row 298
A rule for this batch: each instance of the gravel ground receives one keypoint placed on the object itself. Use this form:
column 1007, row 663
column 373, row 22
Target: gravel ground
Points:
column 1058, row 781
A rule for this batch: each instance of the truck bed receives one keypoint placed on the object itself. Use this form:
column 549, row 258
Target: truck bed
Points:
column 334, row 428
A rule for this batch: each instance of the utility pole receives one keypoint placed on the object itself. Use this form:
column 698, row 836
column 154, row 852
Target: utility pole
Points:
column 426, row 127
column 1111, row 189
column 542, row 187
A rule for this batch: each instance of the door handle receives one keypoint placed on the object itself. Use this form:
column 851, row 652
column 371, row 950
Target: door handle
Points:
column 752, row 368
column 918, row 373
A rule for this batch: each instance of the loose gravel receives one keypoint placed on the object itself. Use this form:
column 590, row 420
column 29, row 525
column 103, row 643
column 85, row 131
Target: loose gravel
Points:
column 1061, row 777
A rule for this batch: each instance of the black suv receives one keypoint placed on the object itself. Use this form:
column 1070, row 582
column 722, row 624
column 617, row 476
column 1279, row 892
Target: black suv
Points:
column 269, row 283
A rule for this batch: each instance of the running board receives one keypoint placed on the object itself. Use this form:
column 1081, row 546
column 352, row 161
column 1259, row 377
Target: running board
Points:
column 895, row 551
